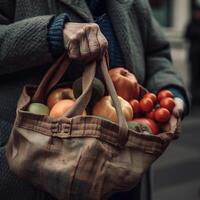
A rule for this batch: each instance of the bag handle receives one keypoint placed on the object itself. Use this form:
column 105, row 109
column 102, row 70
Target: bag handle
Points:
column 56, row 72
column 123, row 127
column 54, row 75
column 80, row 104
column 83, row 100
column 51, row 78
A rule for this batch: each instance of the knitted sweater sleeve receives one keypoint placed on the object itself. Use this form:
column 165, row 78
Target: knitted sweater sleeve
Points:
column 23, row 44
column 55, row 34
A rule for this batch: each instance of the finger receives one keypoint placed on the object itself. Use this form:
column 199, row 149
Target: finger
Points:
column 73, row 44
column 179, row 107
column 93, row 42
column 84, row 48
column 171, row 124
column 165, row 127
column 73, row 48
column 178, row 113
column 102, row 42
column 175, row 125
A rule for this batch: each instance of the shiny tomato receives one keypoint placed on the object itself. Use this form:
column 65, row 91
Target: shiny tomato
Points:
column 135, row 106
column 163, row 94
column 162, row 115
column 150, row 123
column 151, row 115
column 152, row 96
column 146, row 104
column 167, row 103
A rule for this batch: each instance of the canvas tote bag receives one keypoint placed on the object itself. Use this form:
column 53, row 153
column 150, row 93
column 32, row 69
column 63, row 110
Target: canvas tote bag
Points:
column 79, row 157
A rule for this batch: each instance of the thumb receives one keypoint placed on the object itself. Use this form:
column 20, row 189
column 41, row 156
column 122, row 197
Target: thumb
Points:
column 179, row 107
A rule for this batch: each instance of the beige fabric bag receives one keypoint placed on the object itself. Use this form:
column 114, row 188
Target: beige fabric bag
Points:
column 79, row 157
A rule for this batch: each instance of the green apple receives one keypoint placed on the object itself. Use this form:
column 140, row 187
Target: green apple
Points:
column 38, row 108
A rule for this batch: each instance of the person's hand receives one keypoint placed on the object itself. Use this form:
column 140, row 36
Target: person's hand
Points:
column 84, row 41
column 176, row 115
column 179, row 107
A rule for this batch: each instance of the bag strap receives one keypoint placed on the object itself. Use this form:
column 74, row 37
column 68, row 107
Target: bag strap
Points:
column 51, row 78
column 123, row 127
column 56, row 72
column 54, row 75
column 82, row 102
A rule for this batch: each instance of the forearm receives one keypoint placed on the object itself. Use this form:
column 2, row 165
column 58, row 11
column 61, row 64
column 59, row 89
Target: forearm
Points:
column 160, row 71
column 23, row 44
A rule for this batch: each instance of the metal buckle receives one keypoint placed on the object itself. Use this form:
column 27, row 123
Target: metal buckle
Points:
column 56, row 127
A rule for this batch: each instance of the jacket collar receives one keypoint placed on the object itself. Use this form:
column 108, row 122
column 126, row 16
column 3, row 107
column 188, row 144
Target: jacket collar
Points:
column 80, row 8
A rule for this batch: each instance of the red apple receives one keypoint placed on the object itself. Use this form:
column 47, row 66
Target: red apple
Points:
column 125, row 83
column 58, row 95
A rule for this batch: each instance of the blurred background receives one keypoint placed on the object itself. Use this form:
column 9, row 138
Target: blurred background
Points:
column 176, row 174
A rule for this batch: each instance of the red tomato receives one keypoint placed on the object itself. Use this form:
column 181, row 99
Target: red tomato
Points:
column 163, row 94
column 151, row 115
column 152, row 96
column 162, row 115
column 150, row 123
column 167, row 103
column 146, row 104
column 135, row 106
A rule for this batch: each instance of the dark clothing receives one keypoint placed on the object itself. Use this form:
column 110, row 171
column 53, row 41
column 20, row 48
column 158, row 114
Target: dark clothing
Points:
column 55, row 38
column 98, row 10
column 193, row 36
column 97, row 7
column 25, row 56
column 134, row 26
column 114, row 50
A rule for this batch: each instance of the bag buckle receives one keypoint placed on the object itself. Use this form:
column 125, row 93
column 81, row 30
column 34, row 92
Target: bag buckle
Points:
column 56, row 127
column 60, row 128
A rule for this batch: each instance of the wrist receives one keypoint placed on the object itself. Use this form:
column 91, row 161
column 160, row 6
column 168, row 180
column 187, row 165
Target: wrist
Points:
column 55, row 34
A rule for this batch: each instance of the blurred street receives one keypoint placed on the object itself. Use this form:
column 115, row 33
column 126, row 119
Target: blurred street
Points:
column 176, row 174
